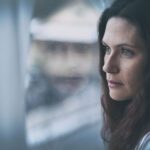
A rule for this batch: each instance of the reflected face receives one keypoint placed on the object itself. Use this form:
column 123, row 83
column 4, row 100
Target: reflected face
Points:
column 124, row 58
column 68, row 64
column 67, row 59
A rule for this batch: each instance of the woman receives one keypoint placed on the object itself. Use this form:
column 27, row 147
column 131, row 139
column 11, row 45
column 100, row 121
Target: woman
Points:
column 124, row 37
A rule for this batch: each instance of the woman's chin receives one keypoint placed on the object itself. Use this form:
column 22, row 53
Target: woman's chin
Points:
column 118, row 98
column 119, row 95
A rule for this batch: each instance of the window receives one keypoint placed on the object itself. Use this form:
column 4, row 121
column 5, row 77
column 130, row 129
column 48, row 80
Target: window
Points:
column 63, row 85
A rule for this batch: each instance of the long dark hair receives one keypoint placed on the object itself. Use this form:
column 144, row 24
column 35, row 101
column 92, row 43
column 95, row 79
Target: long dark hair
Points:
column 126, row 122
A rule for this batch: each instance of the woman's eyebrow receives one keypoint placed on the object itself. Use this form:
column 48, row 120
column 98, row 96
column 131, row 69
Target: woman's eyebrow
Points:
column 105, row 44
column 127, row 44
column 121, row 44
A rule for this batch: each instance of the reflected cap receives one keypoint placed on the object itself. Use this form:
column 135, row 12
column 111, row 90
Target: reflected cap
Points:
column 73, row 23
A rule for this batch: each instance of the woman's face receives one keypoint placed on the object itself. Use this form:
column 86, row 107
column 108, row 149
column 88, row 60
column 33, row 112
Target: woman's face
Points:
column 124, row 58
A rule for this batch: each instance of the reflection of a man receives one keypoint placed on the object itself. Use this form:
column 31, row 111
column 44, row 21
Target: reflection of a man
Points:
column 65, row 59
column 67, row 65
column 63, row 64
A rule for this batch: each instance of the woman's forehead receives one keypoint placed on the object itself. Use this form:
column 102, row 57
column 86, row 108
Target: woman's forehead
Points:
column 120, row 31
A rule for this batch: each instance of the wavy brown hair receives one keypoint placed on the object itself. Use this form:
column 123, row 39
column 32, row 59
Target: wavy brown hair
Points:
column 126, row 122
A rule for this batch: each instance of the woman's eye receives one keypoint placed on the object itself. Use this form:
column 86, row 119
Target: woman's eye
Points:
column 127, row 52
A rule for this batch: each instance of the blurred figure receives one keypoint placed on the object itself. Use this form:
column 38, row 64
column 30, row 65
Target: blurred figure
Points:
column 63, row 83
column 63, row 52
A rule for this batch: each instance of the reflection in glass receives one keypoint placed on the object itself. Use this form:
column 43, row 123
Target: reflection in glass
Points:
column 63, row 90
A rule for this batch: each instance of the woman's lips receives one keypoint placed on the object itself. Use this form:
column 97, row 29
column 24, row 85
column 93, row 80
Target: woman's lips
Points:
column 114, row 84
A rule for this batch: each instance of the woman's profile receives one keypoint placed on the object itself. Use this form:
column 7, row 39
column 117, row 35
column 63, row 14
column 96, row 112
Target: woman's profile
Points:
column 124, row 40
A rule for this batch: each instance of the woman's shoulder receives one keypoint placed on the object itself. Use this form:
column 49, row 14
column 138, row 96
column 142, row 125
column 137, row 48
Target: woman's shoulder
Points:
column 144, row 143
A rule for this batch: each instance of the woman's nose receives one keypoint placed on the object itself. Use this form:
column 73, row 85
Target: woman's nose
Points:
column 111, row 65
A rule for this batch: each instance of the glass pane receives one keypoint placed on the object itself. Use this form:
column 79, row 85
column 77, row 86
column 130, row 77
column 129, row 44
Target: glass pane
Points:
column 63, row 85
